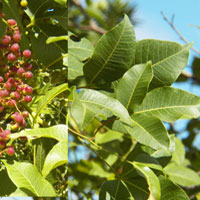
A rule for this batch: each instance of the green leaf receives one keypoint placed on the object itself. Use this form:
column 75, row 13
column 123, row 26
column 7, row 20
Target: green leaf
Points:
column 115, row 190
column 113, row 54
column 179, row 155
column 6, row 185
column 170, row 191
column 56, row 157
column 11, row 10
column 20, row 193
column 62, row 2
column 150, row 131
column 108, row 136
column 170, row 104
column 81, row 50
column 152, row 180
column 58, row 132
column 43, row 146
column 25, row 175
column 133, row 86
column 91, row 103
column 2, row 28
column 98, row 170
column 75, row 68
column 78, row 52
column 182, row 175
column 50, row 95
column 164, row 56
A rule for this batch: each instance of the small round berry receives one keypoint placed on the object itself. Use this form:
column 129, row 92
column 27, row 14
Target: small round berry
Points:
column 11, row 103
column 19, row 88
column 6, row 40
column 15, row 47
column 23, row 3
column 18, row 118
column 15, row 95
column 1, row 79
column 29, row 90
column 23, row 123
column 8, row 85
column 10, row 151
column 20, row 70
column 27, row 53
column 16, row 37
column 25, row 114
column 28, row 98
column 11, row 57
column 11, row 22
column 11, row 80
column 28, row 66
column 28, row 75
column 4, row 135
column 15, row 127
column 4, row 93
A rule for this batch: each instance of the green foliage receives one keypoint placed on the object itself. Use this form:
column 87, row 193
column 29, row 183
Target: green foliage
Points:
column 119, row 117
column 39, row 166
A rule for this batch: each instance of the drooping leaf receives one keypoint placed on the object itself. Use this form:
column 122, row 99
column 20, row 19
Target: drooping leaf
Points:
column 182, row 175
column 108, row 136
column 56, row 157
column 168, row 59
column 114, row 190
column 152, row 180
column 179, row 155
column 150, row 131
column 133, row 86
column 170, row 191
column 58, row 132
column 113, row 54
column 170, row 104
column 26, row 175
column 49, row 96
column 92, row 103
column 43, row 146
column 78, row 52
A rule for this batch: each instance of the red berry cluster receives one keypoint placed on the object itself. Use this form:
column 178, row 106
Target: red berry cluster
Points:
column 15, row 72
column 4, row 138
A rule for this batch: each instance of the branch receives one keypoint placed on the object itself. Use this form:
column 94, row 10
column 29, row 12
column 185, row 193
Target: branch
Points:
column 171, row 23
column 92, row 25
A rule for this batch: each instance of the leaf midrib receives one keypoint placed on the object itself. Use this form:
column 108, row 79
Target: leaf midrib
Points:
column 166, row 107
column 160, row 145
column 27, row 180
column 134, row 88
column 179, row 176
column 169, row 57
column 106, row 61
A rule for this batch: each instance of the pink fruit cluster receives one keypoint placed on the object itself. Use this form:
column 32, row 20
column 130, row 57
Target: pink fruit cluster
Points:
column 4, row 138
column 15, row 73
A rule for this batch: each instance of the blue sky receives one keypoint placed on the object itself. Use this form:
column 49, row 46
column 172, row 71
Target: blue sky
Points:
column 152, row 24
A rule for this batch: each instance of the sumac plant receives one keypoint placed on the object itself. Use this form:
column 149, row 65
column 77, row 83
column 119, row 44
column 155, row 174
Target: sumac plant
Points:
column 121, row 102
column 33, row 103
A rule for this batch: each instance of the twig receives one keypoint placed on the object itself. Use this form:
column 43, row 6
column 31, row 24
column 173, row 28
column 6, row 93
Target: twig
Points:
column 92, row 25
column 177, row 32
